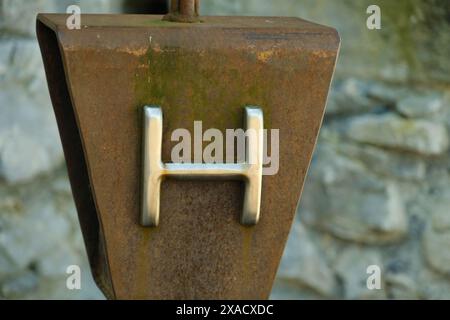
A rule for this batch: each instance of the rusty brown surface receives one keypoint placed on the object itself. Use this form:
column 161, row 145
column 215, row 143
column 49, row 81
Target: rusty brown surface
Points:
column 101, row 76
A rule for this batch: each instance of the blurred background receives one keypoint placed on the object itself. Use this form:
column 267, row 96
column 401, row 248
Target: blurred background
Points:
column 377, row 193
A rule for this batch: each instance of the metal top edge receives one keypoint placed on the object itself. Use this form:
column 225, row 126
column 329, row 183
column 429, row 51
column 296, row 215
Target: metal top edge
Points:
column 56, row 21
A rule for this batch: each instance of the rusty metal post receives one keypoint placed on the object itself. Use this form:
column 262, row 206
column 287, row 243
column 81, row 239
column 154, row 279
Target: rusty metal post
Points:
column 183, row 11
column 110, row 82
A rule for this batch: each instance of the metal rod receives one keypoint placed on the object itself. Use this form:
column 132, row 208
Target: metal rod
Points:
column 183, row 11
column 187, row 8
column 174, row 6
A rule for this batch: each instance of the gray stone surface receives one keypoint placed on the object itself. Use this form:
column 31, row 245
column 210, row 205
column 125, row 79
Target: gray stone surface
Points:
column 390, row 130
column 29, row 131
column 20, row 62
column 401, row 286
column 18, row 17
column 436, row 239
column 351, row 266
column 15, row 287
column 305, row 265
column 39, row 239
column 357, row 205
column 384, row 163
column 420, row 106
column 350, row 97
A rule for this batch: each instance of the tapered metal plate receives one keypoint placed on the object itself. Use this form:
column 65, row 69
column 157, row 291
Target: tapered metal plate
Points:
column 102, row 75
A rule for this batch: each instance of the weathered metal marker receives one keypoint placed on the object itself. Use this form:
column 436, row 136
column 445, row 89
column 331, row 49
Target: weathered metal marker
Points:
column 159, row 229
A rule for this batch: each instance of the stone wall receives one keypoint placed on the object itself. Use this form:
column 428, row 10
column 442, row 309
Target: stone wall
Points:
column 377, row 193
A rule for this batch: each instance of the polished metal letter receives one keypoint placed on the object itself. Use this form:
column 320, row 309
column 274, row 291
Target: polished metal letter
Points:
column 154, row 170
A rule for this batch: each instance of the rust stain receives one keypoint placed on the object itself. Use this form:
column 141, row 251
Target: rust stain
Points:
column 323, row 54
column 157, row 48
column 143, row 267
column 136, row 52
column 246, row 254
column 264, row 56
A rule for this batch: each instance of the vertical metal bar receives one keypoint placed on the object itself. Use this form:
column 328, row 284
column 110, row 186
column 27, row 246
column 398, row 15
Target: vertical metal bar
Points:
column 183, row 11
column 174, row 7
column 197, row 7
column 152, row 166
column 254, row 157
